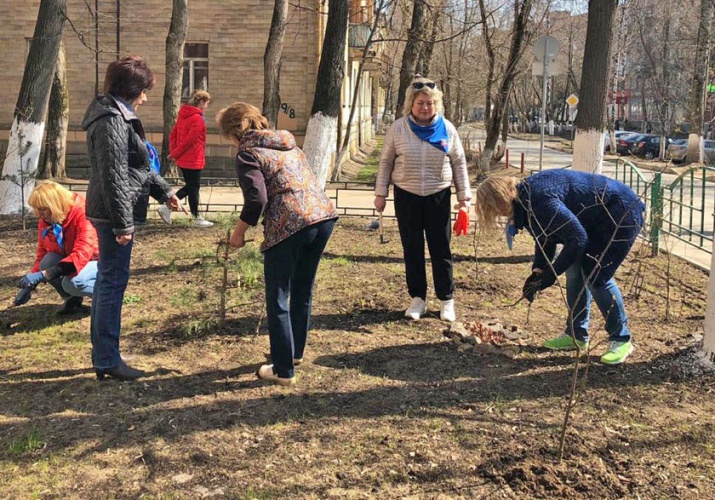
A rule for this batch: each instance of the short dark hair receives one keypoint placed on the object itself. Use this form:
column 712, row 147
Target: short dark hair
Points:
column 128, row 77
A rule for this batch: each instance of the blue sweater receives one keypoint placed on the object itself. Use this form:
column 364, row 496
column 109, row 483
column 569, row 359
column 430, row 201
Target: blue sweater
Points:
column 589, row 214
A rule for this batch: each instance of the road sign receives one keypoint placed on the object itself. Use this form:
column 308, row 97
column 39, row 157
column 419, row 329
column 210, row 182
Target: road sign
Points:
column 554, row 69
column 546, row 48
column 572, row 100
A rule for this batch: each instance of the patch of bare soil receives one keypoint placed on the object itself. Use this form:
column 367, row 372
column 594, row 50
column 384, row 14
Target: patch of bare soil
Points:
column 384, row 407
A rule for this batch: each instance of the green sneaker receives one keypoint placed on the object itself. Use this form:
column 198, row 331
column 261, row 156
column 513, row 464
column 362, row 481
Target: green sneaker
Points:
column 617, row 352
column 565, row 342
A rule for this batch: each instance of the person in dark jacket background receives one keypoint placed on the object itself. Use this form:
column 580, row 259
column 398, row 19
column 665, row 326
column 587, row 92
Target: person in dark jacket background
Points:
column 67, row 250
column 120, row 174
column 187, row 143
column 596, row 219
column 298, row 219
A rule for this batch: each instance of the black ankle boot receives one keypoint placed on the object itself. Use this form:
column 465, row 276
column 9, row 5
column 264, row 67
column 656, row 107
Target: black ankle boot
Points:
column 121, row 372
column 70, row 306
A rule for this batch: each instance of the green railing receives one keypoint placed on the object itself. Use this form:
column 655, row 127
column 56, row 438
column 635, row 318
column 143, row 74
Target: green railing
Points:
column 687, row 207
column 682, row 209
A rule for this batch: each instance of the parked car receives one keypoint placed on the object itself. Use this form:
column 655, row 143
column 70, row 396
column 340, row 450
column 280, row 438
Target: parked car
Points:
column 618, row 134
column 709, row 147
column 677, row 150
column 625, row 143
column 648, row 147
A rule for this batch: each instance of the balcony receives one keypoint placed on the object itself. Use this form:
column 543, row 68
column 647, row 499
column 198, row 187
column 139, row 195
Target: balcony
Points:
column 358, row 35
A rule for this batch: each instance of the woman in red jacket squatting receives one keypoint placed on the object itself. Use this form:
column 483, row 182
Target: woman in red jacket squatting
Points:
column 187, row 142
column 67, row 250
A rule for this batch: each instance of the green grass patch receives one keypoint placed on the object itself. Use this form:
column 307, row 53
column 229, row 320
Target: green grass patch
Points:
column 29, row 442
column 368, row 172
column 130, row 298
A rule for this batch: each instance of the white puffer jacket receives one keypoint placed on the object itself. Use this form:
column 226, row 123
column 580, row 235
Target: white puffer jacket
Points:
column 418, row 167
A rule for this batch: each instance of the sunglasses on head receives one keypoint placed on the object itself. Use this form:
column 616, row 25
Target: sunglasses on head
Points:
column 421, row 85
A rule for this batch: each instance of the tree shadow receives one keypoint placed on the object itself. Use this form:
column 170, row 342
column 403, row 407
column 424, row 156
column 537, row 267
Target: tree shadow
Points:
column 33, row 317
column 432, row 378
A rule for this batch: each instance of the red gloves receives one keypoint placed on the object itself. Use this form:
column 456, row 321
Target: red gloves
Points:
column 462, row 222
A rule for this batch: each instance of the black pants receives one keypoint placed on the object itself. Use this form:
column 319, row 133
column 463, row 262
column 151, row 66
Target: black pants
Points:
column 417, row 217
column 192, row 177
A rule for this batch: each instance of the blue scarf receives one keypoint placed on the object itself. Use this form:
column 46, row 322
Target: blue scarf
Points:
column 57, row 231
column 435, row 133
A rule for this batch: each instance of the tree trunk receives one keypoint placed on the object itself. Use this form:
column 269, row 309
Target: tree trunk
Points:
column 424, row 61
column 588, row 144
column 272, row 63
column 175, row 39
column 322, row 131
column 490, row 63
column 28, row 126
column 519, row 38
column 698, row 85
column 57, row 121
column 709, row 333
column 410, row 54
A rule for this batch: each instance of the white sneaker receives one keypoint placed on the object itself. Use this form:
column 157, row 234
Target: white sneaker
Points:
column 446, row 310
column 165, row 213
column 417, row 308
column 201, row 222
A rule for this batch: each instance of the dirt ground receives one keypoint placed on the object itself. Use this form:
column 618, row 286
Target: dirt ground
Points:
column 384, row 407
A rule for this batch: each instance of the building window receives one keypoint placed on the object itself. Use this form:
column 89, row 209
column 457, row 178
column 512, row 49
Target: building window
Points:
column 196, row 69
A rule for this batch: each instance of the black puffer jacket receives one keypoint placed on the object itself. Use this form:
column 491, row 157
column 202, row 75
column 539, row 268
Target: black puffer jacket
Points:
column 120, row 176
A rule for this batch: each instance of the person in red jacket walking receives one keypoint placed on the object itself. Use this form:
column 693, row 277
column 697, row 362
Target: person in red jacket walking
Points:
column 187, row 142
column 67, row 249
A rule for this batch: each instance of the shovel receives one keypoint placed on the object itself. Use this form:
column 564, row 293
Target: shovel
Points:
column 382, row 231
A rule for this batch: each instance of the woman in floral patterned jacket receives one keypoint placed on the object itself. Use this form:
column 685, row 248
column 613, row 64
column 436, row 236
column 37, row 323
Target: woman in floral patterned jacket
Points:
column 298, row 219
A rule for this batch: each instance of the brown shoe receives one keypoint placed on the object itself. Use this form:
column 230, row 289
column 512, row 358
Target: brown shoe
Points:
column 265, row 372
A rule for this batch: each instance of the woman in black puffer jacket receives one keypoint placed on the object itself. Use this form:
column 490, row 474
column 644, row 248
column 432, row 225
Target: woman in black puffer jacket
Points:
column 119, row 180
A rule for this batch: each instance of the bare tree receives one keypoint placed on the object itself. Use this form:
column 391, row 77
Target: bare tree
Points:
column 272, row 62
column 519, row 40
column 57, row 122
column 322, row 131
column 175, row 40
column 588, row 144
column 411, row 52
column 345, row 143
column 28, row 122
column 700, row 69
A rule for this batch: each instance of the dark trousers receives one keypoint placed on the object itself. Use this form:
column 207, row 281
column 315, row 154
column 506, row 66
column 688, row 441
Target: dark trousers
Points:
column 430, row 216
column 112, row 279
column 289, row 269
column 192, row 178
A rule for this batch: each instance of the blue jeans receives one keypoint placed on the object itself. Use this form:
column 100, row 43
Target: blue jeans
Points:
column 608, row 298
column 82, row 285
column 112, row 279
column 289, row 269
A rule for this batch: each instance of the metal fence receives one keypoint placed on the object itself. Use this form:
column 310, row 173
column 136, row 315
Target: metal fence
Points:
column 682, row 209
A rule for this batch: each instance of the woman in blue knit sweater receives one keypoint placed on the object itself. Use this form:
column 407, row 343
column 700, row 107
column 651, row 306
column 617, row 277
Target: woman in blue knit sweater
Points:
column 596, row 219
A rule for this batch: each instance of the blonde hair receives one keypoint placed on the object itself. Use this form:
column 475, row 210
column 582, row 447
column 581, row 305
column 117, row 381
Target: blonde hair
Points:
column 412, row 92
column 198, row 97
column 495, row 197
column 236, row 119
column 50, row 195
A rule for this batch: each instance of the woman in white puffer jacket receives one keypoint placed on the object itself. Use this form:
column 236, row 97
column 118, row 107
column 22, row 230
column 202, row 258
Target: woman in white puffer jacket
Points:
column 422, row 156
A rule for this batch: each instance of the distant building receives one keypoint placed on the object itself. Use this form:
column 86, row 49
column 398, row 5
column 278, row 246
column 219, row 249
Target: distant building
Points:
column 223, row 53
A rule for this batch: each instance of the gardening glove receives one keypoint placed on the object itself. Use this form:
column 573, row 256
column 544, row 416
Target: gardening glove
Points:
column 31, row 280
column 22, row 296
column 536, row 282
column 462, row 223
